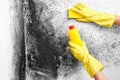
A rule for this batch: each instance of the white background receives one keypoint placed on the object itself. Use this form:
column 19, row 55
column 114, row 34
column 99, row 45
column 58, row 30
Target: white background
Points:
column 5, row 40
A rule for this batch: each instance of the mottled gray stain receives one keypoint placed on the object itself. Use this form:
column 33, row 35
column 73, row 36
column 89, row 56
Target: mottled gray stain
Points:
column 45, row 52
column 114, row 45
column 19, row 57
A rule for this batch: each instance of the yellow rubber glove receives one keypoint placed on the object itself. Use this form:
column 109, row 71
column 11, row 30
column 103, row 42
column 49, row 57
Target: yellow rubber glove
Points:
column 74, row 14
column 89, row 15
column 81, row 53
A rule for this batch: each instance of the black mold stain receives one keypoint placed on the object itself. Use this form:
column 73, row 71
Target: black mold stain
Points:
column 43, row 48
column 46, row 59
column 22, row 60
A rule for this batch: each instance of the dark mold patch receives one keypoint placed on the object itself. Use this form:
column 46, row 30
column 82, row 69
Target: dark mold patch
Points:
column 45, row 52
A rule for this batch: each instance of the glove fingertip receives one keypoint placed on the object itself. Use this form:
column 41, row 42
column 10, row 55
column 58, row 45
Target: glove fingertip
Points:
column 84, row 44
column 81, row 4
column 69, row 42
column 72, row 45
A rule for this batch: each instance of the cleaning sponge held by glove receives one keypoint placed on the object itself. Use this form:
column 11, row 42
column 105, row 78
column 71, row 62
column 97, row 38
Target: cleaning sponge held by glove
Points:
column 83, row 13
column 81, row 53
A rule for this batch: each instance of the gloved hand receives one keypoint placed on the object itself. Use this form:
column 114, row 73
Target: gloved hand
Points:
column 74, row 13
column 81, row 53
column 83, row 13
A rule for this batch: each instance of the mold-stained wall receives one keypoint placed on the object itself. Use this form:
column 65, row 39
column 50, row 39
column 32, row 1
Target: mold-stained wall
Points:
column 47, row 55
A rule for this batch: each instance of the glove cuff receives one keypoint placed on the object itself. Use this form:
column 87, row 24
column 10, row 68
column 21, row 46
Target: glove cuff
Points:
column 104, row 19
column 93, row 66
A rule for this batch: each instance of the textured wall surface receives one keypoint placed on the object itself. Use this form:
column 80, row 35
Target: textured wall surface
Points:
column 46, row 25
column 18, row 42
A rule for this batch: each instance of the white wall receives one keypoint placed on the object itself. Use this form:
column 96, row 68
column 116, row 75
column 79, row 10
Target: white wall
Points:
column 5, row 41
